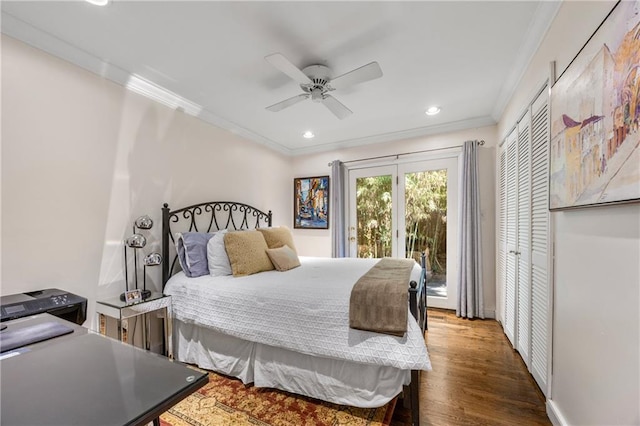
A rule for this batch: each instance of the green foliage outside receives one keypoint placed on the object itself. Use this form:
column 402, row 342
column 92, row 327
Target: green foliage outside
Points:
column 373, row 196
column 425, row 218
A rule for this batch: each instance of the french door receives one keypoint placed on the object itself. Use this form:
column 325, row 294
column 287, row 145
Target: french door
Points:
column 402, row 210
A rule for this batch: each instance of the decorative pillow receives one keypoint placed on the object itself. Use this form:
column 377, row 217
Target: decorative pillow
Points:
column 217, row 255
column 192, row 252
column 247, row 252
column 283, row 258
column 278, row 237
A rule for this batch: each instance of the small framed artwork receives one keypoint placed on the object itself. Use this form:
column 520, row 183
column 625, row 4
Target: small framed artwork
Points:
column 133, row 296
column 311, row 202
column 595, row 118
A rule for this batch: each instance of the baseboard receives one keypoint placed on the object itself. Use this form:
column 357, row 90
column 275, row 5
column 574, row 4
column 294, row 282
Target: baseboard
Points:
column 490, row 314
column 556, row 417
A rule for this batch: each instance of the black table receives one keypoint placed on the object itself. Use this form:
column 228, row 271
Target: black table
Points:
column 88, row 379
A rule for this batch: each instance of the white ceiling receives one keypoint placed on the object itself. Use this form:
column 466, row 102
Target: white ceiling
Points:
column 464, row 56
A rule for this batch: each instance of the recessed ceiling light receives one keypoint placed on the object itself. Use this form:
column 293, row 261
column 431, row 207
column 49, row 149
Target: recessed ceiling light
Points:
column 98, row 2
column 308, row 135
column 432, row 110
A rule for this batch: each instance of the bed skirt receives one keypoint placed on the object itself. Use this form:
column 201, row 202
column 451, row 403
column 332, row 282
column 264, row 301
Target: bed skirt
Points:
column 338, row 381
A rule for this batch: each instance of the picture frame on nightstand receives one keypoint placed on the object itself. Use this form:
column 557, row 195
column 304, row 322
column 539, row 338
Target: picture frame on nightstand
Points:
column 133, row 296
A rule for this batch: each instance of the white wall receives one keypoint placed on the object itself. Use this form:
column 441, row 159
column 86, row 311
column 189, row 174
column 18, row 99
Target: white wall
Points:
column 596, row 325
column 314, row 242
column 82, row 158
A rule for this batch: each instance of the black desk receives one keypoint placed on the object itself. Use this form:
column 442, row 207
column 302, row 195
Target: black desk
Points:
column 88, row 379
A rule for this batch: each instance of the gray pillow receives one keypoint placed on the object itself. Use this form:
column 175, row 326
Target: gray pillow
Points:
column 192, row 253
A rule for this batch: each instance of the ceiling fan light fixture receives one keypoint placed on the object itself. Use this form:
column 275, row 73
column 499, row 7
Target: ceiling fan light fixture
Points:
column 432, row 110
column 308, row 135
column 317, row 95
column 316, row 83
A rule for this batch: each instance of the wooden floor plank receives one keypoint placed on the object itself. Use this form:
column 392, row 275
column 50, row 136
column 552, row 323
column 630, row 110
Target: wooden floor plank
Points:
column 477, row 378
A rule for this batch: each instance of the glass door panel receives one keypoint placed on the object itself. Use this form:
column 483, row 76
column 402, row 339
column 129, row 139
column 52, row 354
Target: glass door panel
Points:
column 372, row 217
column 425, row 195
column 428, row 209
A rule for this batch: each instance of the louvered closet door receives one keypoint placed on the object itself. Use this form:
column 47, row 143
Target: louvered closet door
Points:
column 502, row 223
column 511, row 269
column 523, row 251
column 540, row 279
column 523, row 235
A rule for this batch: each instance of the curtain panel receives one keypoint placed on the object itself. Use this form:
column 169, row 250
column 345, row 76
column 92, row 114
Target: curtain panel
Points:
column 470, row 302
column 338, row 234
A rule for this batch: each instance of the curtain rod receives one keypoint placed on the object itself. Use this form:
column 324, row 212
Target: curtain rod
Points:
column 480, row 142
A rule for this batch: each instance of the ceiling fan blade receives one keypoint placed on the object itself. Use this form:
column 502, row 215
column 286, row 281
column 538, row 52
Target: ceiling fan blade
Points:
column 283, row 64
column 336, row 107
column 367, row 72
column 287, row 103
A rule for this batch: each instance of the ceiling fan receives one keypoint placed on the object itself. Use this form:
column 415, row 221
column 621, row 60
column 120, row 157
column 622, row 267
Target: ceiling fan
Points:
column 316, row 82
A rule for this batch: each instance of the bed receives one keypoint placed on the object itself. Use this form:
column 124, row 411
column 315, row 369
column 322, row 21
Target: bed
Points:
column 289, row 330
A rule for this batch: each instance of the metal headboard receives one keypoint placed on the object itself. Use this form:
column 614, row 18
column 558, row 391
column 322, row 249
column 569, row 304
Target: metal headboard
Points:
column 205, row 217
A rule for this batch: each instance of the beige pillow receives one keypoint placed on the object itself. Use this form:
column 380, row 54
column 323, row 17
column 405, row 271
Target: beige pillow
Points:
column 283, row 258
column 247, row 251
column 278, row 237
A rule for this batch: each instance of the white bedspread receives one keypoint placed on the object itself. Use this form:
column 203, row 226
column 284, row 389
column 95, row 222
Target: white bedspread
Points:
column 305, row 309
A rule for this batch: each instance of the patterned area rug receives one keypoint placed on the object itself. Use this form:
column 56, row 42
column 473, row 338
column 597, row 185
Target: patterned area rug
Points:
column 226, row 401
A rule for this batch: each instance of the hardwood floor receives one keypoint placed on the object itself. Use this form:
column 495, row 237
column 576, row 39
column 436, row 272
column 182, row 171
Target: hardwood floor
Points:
column 477, row 378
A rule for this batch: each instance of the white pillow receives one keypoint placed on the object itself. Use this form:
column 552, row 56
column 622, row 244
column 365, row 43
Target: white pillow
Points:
column 217, row 255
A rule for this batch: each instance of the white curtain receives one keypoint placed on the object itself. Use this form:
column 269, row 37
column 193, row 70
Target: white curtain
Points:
column 470, row 300
column 338, row 235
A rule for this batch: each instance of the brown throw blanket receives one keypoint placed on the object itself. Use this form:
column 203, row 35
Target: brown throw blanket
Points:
column 379, row 300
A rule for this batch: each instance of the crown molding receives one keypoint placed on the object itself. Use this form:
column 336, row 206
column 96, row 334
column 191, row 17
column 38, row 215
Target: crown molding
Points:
column 544, row 15
column 399, row 135
column 236, row 129
column 20, row 30
column 26, row 33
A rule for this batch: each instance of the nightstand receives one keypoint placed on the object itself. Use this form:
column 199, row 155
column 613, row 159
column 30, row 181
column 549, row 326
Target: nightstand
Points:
column 122, row 311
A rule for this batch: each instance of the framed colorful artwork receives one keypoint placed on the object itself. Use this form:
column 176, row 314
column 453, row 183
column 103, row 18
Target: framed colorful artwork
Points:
column 595, row 113
column 311, row 202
